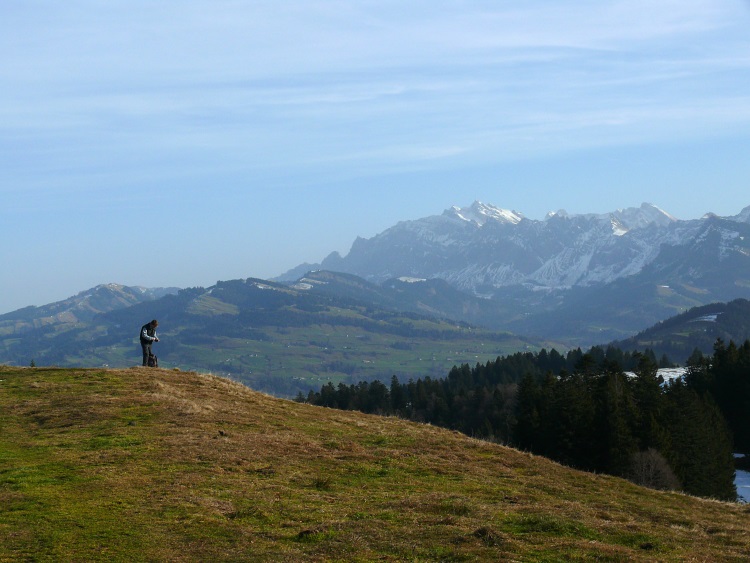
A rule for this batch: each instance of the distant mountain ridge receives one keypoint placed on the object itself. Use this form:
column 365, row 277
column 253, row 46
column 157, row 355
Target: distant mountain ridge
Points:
column 483, row 247
column 606, row 277
column 81, row 307
column 276, row 336
column 273, row 336
column 591, row 276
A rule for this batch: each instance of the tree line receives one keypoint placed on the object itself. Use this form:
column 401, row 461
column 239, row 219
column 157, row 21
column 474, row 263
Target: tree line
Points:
column 605, row 410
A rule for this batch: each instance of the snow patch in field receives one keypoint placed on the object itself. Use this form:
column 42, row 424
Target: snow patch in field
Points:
column 706, row 318
column 667, row 373
column 742, row 482
column 313, row 282
column 306, row 284
column 672, row 373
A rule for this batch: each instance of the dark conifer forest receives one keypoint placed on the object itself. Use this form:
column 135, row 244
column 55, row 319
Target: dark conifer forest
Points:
column 604, row 410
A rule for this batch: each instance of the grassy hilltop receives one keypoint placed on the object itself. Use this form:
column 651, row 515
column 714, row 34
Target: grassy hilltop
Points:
column 144, row 465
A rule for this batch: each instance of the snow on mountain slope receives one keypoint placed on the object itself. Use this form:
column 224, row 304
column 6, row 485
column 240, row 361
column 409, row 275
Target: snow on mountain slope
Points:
column 481, row 247
column 479, row 213
column 644, row 216
column 625, row 220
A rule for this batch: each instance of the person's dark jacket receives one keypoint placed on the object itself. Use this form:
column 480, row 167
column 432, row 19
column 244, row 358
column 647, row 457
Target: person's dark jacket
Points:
column 148, row 333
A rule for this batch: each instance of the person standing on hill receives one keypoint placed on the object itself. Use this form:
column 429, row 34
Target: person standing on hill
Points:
column 148, row 337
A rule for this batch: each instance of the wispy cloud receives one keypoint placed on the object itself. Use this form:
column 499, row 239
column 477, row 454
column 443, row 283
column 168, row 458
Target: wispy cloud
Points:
column 293, row 83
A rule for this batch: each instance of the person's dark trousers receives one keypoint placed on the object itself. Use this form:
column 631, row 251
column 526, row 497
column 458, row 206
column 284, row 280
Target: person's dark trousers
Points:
column 146, row 352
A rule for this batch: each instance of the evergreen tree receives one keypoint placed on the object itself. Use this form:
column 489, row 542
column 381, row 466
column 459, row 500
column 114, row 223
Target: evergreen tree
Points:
column 698, row 376
column 620, row 418
column 701, row 445
column 730, row 370
column 328, row 396
column 648, row 395
column 573, row 428
column 398, row 396
column 528, row 422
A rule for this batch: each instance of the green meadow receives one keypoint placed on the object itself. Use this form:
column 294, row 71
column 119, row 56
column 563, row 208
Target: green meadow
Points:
column 164, row 465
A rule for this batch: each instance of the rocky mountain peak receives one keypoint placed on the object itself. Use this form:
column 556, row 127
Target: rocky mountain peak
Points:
column 479, row 213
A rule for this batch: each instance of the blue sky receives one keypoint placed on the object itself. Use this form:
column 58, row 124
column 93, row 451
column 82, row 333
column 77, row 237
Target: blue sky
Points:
column 181, row 143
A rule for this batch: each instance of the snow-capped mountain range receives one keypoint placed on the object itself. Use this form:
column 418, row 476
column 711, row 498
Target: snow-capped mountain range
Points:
column 481, row 247
column 641, row 257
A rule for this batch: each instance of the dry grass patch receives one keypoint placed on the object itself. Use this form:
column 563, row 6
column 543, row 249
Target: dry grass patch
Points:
column 161, row 465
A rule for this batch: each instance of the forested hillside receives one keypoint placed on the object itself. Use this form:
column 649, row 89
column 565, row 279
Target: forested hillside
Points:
column 695, row 329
